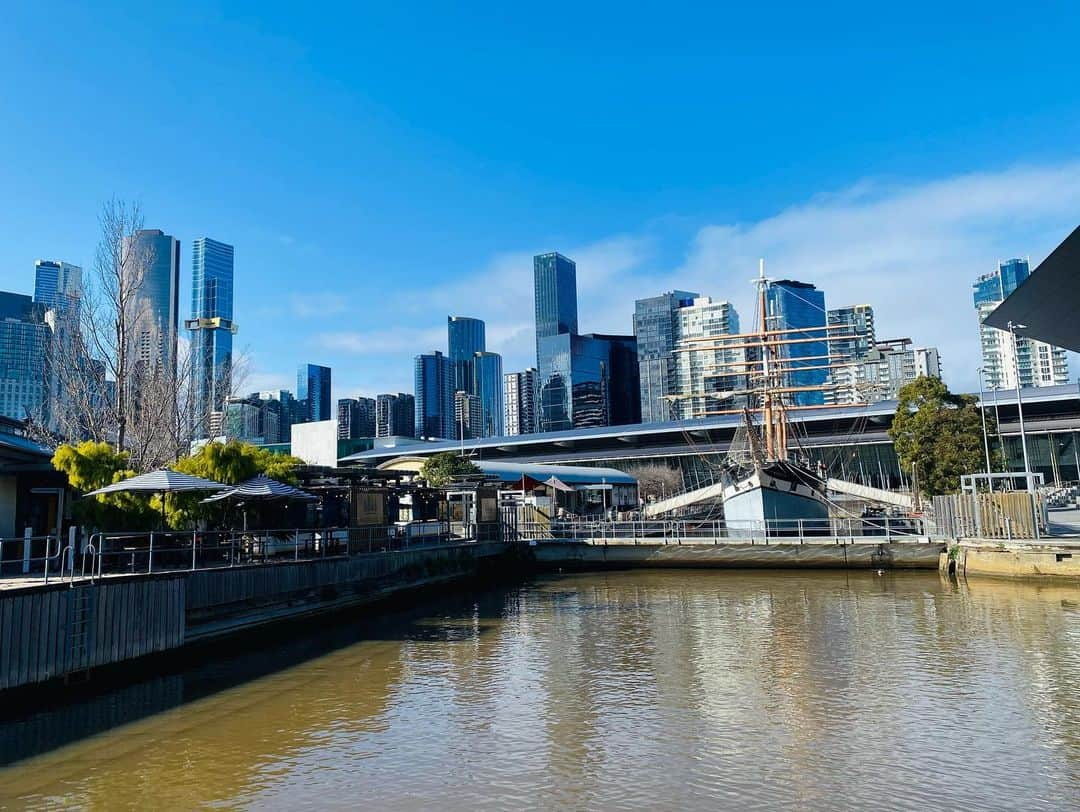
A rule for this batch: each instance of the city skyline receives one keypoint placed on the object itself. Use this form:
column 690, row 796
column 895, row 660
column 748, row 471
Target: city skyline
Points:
column 901, row 195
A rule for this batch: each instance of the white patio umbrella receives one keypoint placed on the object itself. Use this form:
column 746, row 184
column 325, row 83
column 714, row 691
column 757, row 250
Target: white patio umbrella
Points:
column 163, row 482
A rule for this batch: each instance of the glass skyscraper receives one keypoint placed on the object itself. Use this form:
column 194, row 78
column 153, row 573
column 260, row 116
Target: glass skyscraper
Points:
column 800, row 307
column 488, row 387
column 555, row 292
column 156, row 306
column 520, row 399
column 434, row 381
column 656, row 325
column 212, row 327
column 587, row 381
column 58, row 285
column 313, row 393
column 464, row 338
column 395, row 415
column 24, row 345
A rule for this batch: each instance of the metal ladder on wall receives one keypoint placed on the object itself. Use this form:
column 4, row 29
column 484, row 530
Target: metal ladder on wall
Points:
column 82, row 610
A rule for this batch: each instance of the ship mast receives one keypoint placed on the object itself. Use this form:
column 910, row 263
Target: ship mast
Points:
column 773, row 417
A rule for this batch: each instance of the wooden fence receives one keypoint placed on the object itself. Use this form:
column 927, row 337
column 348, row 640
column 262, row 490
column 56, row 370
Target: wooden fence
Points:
column 1005, row 515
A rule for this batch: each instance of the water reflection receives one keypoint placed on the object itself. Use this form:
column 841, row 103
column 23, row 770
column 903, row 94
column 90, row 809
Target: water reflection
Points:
column 680, row 688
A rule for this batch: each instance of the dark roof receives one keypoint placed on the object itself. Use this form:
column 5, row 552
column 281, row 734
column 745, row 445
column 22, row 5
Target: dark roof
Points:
column 1046, row 301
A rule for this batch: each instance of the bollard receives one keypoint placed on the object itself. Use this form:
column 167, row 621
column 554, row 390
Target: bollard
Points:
column 150, row 555
column 26, row 551
column 193, row 550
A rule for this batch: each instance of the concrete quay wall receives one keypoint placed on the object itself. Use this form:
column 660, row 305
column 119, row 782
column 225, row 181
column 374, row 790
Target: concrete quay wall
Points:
column 1042, row 559
column 613, row 553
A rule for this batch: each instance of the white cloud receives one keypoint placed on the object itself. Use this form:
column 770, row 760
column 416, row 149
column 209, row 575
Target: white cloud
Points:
column 317, row 304
column 409, row 340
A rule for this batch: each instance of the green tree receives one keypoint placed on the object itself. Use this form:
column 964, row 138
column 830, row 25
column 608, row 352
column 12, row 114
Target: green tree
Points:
column 91, row 465
column 439, row 469
column 939, row 433
column 231, row 463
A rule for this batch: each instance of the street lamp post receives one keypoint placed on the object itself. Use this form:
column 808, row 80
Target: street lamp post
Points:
column 1013, row 327
column 986, row 439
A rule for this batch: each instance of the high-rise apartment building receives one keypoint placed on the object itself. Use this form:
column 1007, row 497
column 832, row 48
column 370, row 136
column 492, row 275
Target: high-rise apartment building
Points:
column 155, row 261
column 356, row 418
column 395, row 415
column 656, row 327
column 1039, row 364
column 464, row 338
column 212, row 328
column 707, row 374
column 520, row 396
column 880, row 372
column 25, row 339
column 434, row 396
column 313, row 393
column 555, row 298
column 468, row 416
column 799, row 309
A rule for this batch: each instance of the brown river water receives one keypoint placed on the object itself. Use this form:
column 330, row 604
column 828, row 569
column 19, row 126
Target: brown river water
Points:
column 659, row 690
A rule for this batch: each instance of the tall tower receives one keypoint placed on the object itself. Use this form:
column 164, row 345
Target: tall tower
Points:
column 555, row 294
column 313, row 392
column 799, row 308
column 434, row 377
column 656, row 323
column 58, row 285
column 212, row 328
column 464, row 338
column 156, row 303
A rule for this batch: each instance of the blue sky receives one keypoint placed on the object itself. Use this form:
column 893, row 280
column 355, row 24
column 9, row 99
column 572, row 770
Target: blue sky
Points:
column 380, row 166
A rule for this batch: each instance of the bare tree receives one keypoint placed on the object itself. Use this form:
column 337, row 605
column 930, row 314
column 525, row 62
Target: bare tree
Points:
column 656, row 481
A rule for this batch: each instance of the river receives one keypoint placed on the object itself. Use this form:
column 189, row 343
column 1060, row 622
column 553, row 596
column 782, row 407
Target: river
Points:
column 660, row 689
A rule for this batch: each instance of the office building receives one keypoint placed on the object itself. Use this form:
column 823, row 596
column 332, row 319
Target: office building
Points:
column 464, row 338
column 313, row 393
column 555, row 298
column 707, row 375
column 251, row 419
column 58, row 286
column 488, row 388
column 656, row 326
column 395, row 415
column 212, row 328
column 880, row 372
column 25, row 338
column 153, row 268
column 851, row 332
column 1039, row 364
column 356, row 418
column 799, row 309
column 520, row 397
column 588, row 380
column 434, row 396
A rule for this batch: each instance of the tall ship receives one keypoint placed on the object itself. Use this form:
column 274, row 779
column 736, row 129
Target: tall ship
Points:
column 769, row 481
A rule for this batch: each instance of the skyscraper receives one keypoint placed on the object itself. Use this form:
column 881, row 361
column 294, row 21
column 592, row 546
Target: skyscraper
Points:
column 799, row 307
column 57, row 285
column 395, row 415
column 705, row 373
column 656, row 330
column 464, row 338
column 488, row 388
column 212, row 327
column 313, row 393
column 520, row 396
column 156, row 301
column 356, row 418
column 24, row 344
column 555, row 297
column 1039, row 363
column 434, row 379
column 587, row 381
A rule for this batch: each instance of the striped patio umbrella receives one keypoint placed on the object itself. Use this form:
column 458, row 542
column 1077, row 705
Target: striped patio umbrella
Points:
column 163, row 482
column 262, row 487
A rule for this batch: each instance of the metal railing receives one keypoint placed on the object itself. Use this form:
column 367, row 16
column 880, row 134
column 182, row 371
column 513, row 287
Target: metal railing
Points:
column 783, row 531
column 32, row 556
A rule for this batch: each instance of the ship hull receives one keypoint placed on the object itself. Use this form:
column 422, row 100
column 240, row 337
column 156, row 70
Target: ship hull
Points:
column 781, row 499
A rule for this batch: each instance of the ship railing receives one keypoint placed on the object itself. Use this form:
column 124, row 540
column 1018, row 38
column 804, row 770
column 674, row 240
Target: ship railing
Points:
column 679, row 531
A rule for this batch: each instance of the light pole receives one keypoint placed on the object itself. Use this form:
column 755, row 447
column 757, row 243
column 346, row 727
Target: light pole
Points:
column 1013, row 327
column 986, row 439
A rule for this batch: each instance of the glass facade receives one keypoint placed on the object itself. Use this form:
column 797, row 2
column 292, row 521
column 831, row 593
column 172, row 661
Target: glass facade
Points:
column 521, row 396
column 588, row 380
column 488, row 388
column 706, row 373
column 24, row 345
column 313, row 393
column 555, row 292
column 800, row 307
column 157, row 302
column 434, row 396
column 656, row 327
column 57, row 285
column 356, row 418
column 211, row 326
column 464, row 338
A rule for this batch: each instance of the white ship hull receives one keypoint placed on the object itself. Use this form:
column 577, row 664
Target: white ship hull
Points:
column 783, row 499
